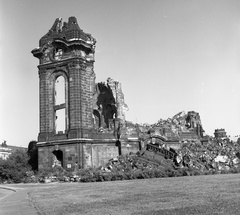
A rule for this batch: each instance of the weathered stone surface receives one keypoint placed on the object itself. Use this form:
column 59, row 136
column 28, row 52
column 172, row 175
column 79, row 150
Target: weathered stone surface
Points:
column 183, row 136
column 95, row 127
column 93, row 112
column 108, row 104
column 217, row 154
column 220, row 133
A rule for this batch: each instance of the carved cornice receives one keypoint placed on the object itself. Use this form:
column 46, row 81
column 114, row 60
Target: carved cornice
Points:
column 76, row 65
column 53, row 65
column 62, row 68
column 49, row 71
column 42, row 72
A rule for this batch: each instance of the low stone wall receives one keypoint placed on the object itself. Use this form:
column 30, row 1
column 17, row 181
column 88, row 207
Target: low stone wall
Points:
column 82, row 153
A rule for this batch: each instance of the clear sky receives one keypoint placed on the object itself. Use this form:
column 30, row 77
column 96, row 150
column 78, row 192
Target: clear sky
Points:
column 170, row 56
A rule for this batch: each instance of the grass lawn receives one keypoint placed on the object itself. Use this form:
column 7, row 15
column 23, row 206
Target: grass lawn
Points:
column 211, row 194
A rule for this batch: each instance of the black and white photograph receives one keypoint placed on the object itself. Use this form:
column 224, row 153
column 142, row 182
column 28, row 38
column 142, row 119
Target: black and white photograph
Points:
column 119, row 107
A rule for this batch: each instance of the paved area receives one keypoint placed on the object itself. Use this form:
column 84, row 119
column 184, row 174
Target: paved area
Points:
column 15, row 201
column 5, row 192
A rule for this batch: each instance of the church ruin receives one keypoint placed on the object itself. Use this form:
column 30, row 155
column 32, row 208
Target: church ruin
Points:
column 82, row 123
column 80, row 120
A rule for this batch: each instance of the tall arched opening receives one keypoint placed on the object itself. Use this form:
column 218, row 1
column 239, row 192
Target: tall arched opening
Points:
column 60, row 105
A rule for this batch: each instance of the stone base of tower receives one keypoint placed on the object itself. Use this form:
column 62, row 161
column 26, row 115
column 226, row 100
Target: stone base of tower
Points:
column 73, row 154
column 70, row 134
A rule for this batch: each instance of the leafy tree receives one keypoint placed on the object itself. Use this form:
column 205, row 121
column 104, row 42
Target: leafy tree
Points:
column 33, row 154
column 15, row 168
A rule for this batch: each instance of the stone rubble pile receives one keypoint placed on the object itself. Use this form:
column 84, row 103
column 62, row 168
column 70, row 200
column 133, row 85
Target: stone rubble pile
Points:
column 196, row 150
column 173, row 128
column 217, row 154
column 176, row 124
column 130, row 162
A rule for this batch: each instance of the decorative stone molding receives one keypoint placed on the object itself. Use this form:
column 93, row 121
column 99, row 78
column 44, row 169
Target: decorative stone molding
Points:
column 74, row 65
column 61, row 68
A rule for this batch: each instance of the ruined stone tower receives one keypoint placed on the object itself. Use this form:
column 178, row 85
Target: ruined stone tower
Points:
column 66, row 55
column 69, row 104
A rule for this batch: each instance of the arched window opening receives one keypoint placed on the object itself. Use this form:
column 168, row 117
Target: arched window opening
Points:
column 60, row 90
column 60, row 105
column 57, row 158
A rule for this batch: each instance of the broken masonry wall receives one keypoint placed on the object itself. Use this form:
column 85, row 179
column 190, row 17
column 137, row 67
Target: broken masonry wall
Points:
column 183, row 134
column 65, row 155
column 178, row 126
column 216, row 154
column 108, row 104
column 104, row 106
column 119, row 97
column 96, row 155
column 128, row 147
column 220, row 133
column 76, row 155
column 194, row 149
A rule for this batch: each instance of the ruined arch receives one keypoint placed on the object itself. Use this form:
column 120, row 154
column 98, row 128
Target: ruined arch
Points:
column 57, row 158
column 97, row 119
column 105, row 104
